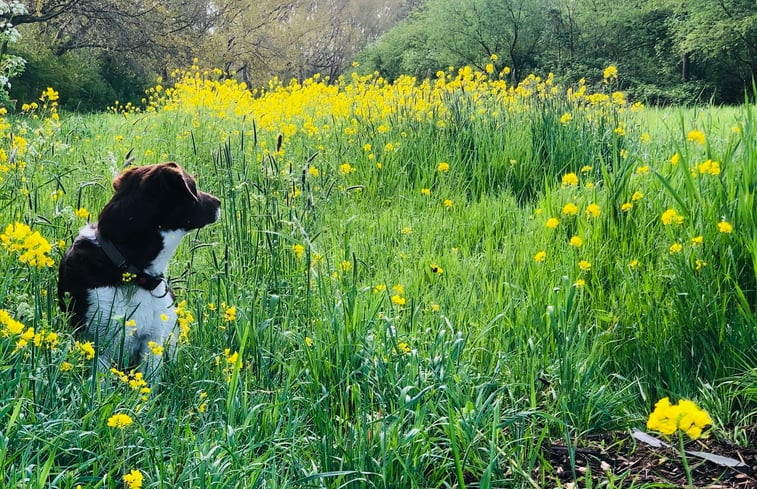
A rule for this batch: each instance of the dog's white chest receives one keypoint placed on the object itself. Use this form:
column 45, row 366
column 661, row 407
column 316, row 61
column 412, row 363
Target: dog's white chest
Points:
column 125, row 319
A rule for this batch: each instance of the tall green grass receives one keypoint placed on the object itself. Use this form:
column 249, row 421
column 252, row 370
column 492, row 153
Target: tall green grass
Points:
column 338, row 383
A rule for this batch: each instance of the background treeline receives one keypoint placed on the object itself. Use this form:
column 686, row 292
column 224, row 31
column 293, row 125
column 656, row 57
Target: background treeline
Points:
column 667, row 51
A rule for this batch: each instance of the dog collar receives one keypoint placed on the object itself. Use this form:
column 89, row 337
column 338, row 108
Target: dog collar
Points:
column 143, row 279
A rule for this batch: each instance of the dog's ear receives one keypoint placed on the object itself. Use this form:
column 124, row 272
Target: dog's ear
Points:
column 128, row 178
column 170, row 179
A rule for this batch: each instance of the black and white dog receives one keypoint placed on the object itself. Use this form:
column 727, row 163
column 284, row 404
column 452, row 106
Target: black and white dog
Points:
column 111, row 280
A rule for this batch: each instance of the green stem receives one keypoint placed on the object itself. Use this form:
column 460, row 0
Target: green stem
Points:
column 685, row 460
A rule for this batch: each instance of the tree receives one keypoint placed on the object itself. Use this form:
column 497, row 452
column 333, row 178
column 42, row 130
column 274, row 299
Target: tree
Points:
column 716, row 34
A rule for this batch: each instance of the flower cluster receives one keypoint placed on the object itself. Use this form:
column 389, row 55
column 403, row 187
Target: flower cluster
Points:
column 685, row 416
column 135, row 381
column 30, row 246
column 185, row 319
column 120, row 421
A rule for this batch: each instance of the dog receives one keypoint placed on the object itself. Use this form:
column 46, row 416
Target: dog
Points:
column 111, row 281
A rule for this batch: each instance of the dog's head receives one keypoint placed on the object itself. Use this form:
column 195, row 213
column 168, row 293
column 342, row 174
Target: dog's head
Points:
column 153, row 198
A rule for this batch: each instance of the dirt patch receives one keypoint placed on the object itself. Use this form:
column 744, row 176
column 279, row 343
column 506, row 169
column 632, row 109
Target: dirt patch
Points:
column 619, row 456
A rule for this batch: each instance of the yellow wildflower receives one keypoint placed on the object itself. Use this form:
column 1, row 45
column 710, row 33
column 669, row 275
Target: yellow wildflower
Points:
column 569, row 179
column 298, row 250
column 133, row 480
column 230, row 314
column 685, row 416
column 695, row 136
column 119, row 421
column 725, row 227
column 670, row 216
column 570, row 209
column 593, row 210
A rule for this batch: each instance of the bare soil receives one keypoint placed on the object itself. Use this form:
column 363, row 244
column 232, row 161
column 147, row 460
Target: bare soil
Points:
column 619, row 456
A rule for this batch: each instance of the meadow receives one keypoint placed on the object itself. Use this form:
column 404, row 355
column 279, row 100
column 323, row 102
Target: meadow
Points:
column 412, row 284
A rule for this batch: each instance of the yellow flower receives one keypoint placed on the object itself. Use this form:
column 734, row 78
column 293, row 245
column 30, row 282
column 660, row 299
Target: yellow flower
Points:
column 569, row 179
column 633, row 265
column 133, row 480
column 710, row 167
column 576, row 241
column 566, row 118
column 699, row 264
column 230, row 314
column 346, row 169
column 426, row 192
column 66, row 367
column 86, row 350
column 552, row 223
column 675, row 248
column 540, row 256
column 584, row 266
column 570, row 209
column 697, row 240
column 379, row 288
column 626, row 207
column 642, row 170
column 579, row 283
column 29, row 245
column 313, row 171
column 675, row 159
column 155, row 348
column 436, row 269
column 447, row 203
column 403, row 347
column 119, row 421
column 442, row 167
column 685, row 416
column 725, row 227
column 611, row 72
column 229, row 357
column 82, row 213
column 593, row 210
column 399, row 300
column 637, row 196
column 298, row 250
column 309, row 341
column 127, row 277
column 406, row 230
column 695, row 136
column 586, row 169
column 670, row 216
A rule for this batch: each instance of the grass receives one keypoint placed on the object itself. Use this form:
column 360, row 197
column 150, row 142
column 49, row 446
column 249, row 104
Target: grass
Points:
column 408, row 343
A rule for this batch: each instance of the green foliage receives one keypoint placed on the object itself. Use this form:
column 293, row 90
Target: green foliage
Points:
column 88, row 81
column 668, row 52
column 331, row 375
